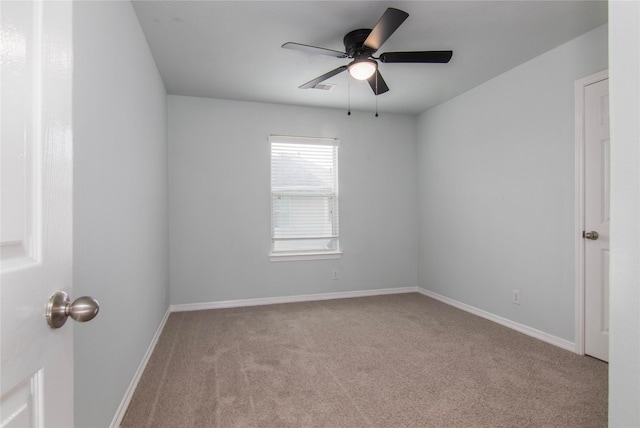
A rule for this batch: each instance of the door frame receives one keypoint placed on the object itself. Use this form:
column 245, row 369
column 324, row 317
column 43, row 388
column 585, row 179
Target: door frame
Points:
column 580, row 86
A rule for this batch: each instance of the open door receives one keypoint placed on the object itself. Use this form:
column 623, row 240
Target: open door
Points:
column 596, row 234
column 593, row 147
column 36, row 226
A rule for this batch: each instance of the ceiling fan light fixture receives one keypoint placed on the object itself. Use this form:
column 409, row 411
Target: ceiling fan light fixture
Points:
column 362, row 69
column 362, row 44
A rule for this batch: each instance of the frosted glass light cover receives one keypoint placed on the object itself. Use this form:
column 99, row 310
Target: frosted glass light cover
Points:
column 362, row 70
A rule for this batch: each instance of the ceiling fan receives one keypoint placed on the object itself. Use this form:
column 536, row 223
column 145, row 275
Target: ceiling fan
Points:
column 360, row 45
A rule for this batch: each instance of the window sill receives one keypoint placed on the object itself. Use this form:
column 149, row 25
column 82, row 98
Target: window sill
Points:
column 294, row 257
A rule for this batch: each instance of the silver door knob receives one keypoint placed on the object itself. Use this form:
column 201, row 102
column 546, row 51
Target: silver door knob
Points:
column 593, row 235
column 82, row 309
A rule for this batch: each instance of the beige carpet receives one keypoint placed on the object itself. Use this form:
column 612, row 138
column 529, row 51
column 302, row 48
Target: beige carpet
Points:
column 389, row 361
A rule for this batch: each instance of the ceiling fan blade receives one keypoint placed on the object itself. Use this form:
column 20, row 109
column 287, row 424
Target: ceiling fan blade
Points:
column 418, row 56
column 377, row 83
column 314, row 82
column 388, row 23
column 314, row 50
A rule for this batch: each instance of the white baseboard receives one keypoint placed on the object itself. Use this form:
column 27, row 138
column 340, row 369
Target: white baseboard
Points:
column 288, row 299
column 529, row 331
column 124, row 404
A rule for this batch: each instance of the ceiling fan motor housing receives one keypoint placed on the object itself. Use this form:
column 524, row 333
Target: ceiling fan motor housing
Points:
column 354, row 43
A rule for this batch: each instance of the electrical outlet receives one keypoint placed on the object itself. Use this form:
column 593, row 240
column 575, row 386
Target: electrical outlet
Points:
column 516, row 297
column 335, row 274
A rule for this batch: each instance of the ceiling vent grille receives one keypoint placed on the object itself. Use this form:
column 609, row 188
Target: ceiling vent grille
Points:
column 324, row 86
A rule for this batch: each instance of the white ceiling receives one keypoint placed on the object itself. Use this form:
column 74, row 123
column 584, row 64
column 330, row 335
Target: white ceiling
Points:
column 231, row 49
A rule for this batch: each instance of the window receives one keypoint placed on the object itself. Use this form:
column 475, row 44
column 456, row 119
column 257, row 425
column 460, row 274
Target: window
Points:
column 304, row 197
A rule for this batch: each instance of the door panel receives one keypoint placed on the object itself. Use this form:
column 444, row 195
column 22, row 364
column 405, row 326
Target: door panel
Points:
column 20, row 406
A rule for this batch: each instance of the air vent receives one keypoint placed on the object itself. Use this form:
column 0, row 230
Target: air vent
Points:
column 324, row 86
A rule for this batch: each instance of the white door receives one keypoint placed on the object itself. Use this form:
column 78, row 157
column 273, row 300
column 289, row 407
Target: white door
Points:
column 596, row 218
column 37, row 361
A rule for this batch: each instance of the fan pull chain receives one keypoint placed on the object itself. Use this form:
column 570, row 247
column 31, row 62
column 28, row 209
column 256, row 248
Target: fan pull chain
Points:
column 376, row 94
column 348, row 95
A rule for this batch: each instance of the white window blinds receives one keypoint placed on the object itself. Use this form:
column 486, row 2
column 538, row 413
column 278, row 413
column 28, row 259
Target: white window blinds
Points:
column 304, row 194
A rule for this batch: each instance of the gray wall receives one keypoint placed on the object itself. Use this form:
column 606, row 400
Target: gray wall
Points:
column 120, row 203
column 624, row 344
column 220, row 201
column 496, row 189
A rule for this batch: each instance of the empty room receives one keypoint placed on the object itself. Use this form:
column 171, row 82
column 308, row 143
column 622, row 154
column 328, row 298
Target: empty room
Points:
column 320, row 213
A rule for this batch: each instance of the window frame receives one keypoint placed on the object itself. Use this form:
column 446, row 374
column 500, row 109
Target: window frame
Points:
column 309, row 254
